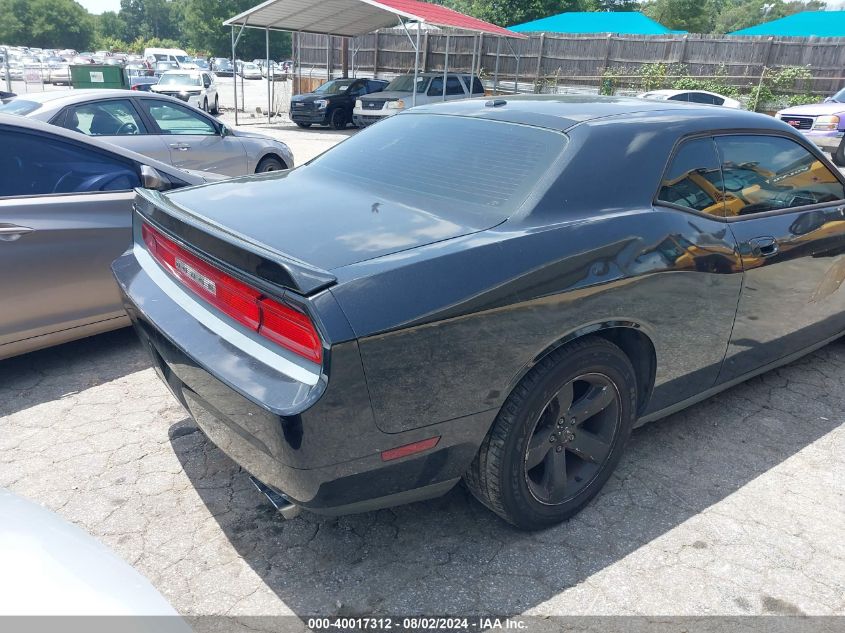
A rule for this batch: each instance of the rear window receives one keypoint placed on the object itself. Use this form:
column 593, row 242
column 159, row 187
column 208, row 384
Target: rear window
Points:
column 447, row 163
column 19, row 107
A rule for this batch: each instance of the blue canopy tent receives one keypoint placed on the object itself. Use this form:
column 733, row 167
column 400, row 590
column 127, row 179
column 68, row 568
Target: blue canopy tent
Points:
column 622, row 22
column 804, row 24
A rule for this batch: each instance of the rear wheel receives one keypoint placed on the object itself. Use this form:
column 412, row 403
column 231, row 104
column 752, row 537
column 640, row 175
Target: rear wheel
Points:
column 559, row 435
column 205, row 105
column 303, row 125
column 269, row 164
column 338, row 119
column 216, row 109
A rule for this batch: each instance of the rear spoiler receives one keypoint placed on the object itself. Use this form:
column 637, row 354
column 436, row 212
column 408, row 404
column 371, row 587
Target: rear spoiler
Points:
column 235, row 250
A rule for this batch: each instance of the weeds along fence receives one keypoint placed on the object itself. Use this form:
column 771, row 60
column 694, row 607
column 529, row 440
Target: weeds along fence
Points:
column 587, row 60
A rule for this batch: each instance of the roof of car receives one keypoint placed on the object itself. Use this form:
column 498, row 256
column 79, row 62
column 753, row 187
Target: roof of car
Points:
column 561, row 112
column 57, row 99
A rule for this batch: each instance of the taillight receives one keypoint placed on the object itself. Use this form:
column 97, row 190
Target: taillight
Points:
column 275, row 321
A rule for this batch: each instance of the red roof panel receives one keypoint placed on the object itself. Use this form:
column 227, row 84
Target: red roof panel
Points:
column 441, row 16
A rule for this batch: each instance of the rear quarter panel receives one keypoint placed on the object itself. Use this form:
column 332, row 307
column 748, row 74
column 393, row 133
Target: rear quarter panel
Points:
column 499, row 302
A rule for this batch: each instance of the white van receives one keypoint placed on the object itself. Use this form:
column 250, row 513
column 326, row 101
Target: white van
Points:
column 177, row 55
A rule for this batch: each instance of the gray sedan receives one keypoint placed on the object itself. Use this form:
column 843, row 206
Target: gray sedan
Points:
column 65, row 214
column 158, row 126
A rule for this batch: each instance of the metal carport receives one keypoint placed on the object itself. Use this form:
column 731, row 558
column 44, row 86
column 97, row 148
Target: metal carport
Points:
column 351, row 18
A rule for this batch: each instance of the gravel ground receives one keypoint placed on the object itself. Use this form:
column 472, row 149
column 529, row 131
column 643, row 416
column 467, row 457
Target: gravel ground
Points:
column 733, row 507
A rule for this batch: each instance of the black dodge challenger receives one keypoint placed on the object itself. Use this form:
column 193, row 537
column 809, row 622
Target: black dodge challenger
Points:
column 494, row 291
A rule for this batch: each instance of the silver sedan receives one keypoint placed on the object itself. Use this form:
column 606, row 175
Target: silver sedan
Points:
column 161, row 127
column 65, row 214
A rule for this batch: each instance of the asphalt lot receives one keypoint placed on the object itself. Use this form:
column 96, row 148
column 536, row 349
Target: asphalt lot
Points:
column 735, row 506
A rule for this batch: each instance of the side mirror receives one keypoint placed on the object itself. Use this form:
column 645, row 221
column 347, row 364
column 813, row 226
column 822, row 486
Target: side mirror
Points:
column 828, row 100
column 224, row 131
column 151, row 178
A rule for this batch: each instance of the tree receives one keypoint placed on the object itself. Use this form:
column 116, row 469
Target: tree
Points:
column 110, row 25
column 683, row 15
column 150, row 18
column 46, row 24
column 614, row 5
column 506, row 13
column 203, row 30
column 747, row 13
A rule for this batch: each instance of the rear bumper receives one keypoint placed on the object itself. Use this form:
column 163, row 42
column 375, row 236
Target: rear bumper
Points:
column 316, row 444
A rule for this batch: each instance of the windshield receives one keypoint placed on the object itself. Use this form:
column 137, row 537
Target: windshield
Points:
column 454, row 165
column 180, row 79
column 334, row 87
column 405, row 83
column 19, row 107
column 839, row 97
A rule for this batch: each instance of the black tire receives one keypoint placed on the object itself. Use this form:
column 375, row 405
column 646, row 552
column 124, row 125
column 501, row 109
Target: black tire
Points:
column 838, row 155
column 500, row 477
column 303, row 125
column 216, row 109
column 205, row 105
column 338, row 119
column 269, row 164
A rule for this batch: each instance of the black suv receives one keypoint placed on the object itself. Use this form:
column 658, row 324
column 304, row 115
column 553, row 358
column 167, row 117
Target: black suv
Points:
column 332, row 103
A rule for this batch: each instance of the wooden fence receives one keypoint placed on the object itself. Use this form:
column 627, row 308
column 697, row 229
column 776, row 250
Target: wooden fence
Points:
column 390, row 52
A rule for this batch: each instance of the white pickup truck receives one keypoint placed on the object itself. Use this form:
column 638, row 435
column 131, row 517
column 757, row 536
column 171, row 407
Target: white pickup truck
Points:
column 398, row 95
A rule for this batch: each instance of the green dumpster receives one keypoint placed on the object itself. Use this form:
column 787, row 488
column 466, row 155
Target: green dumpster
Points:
column 97, row 76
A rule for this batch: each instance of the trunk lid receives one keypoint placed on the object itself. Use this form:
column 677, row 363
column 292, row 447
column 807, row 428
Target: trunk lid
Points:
column 327, row 225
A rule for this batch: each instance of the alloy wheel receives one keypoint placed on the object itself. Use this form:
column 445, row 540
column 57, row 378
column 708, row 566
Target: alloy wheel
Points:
column 572, row 438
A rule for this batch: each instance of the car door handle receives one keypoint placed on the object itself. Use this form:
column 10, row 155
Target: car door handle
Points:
column 763, row 246
column 182, row 147
column 12, row 232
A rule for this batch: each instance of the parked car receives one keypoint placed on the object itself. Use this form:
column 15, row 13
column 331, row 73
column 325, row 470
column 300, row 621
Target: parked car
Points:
column 822, row 123
column 195, row 87
column 398, row 95
column 158, row 126
column 222, row 67
column 332, row 102
column 248, row 70
column 174, row 55
column 276, row 70
column 159, row 68
column 65, row 214
column 692, row 96
column 53, row 568
column 58, row 74
column 469, row 301
column 140, row 77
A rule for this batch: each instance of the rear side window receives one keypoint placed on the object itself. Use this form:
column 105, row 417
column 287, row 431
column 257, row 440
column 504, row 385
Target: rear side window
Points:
column 447, row 164
column 19, row 106
column 770, row 173
column 36, row 165
column 477, row 86
column 694, row 179
column 105, row 118
column 701, row 97
column 175, row 119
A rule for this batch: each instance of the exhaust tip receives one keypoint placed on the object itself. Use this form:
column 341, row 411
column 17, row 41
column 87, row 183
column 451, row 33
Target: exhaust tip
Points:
column 283, row 505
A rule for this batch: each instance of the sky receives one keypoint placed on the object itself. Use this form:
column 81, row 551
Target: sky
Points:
column 98, row 6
